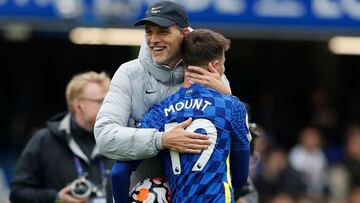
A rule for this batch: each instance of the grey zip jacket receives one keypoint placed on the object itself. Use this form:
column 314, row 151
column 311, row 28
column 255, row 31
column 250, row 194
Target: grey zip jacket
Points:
column 136, row 86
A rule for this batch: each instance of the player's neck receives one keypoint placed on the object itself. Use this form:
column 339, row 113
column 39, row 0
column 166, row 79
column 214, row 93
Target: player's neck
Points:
column 187, row 82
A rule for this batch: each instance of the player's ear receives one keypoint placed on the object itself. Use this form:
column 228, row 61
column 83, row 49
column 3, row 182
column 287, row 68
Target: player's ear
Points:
column 215, row 64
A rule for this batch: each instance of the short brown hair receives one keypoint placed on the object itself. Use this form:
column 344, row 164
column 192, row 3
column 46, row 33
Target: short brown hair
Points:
column 75, row 87
column 202, row 46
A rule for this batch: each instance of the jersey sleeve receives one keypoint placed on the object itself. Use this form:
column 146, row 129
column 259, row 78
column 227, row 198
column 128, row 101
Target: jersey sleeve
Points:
column 240, row 144
column 120, row 179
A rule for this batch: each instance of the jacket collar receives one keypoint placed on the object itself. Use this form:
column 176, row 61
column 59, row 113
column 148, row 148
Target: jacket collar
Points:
column 164, row 73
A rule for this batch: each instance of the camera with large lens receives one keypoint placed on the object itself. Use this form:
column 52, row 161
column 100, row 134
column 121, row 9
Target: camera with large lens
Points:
column 83, row 188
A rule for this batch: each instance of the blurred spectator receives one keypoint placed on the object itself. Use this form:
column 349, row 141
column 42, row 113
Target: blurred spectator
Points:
column 282, row 198
column 277, row 176
column 354, row 196
column 344, row 177
column 308, row 158
column 4, row 188
column 338, row 184
column 308, row 199
column 352, row 155
column 323, row 114
column 65, row 150
column 261, row 146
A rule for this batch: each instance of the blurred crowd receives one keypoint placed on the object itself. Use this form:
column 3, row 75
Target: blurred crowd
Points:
column 322, row 166
column 307, row 171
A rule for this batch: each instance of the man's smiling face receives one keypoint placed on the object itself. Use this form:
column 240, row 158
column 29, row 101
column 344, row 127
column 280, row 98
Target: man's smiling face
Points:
column 164, row 43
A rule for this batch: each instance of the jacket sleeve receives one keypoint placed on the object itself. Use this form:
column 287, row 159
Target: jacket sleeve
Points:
column 27, row 185
column 113, row 138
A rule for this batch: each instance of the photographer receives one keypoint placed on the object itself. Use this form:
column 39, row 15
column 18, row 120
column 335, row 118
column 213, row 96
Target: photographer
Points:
column 61, row 162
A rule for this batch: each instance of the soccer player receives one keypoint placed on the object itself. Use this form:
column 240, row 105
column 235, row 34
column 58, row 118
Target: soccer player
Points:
column 224, row 165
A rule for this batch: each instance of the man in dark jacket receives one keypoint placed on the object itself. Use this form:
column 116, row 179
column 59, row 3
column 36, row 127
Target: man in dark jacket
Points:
column 65, row 152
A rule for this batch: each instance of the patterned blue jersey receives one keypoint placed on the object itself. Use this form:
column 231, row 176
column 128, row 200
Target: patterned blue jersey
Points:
column 202, row 177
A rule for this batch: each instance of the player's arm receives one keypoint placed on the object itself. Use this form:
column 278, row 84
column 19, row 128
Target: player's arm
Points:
column 240, row 145
column 120, row 179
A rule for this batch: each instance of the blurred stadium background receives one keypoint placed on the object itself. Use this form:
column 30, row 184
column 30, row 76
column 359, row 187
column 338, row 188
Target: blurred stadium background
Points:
column 296, row 62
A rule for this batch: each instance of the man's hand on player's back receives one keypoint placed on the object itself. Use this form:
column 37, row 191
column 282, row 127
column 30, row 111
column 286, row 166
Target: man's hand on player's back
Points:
column 180, row 140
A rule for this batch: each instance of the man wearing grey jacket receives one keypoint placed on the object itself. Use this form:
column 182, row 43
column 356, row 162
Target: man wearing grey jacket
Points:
column 139, row 84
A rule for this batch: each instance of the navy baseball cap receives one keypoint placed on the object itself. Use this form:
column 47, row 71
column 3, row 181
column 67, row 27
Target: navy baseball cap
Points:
column 166, row 14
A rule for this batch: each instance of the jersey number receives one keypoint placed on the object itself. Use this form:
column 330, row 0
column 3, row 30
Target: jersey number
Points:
column 211, row 132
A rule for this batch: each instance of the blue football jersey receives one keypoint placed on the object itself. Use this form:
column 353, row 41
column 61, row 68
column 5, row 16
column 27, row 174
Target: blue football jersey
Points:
column 203, row 177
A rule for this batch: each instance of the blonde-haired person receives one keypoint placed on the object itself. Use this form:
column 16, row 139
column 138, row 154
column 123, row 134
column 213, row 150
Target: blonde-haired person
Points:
column 65, row 150
column 86, row 90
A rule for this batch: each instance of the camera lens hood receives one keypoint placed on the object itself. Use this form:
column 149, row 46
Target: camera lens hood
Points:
column 81, row 188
